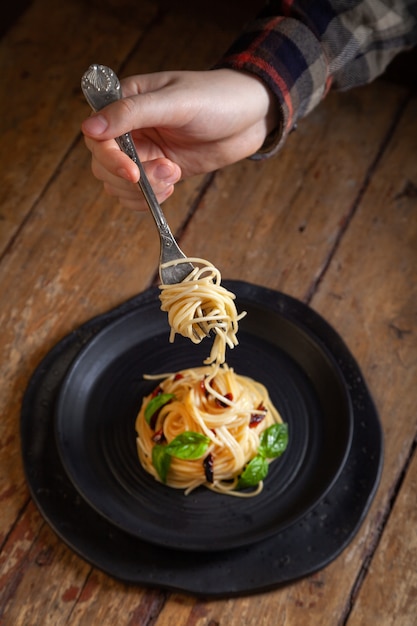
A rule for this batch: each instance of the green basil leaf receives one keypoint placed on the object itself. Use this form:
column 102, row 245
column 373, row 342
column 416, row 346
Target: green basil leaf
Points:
column 188, row 446
column 254, row 472
column 274, row 441
column 161, row 461
column 155, row 404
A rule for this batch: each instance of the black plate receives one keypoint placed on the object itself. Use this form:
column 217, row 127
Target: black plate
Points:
column 101, row 396
column 301, row 548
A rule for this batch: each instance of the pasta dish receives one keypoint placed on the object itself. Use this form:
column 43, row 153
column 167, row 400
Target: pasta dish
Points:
column 209, row 426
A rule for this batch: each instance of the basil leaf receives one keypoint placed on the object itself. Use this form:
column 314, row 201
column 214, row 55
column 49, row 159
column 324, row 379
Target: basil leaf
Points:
column 273, row 441
column 155, row 404
column 161, row 461
column 188, row 446
column 254, row 472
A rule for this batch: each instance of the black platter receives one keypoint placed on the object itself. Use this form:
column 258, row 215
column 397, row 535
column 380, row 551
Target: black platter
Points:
column 102, row 504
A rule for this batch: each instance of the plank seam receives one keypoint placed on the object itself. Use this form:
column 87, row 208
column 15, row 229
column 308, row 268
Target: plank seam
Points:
column 312, row 290
column 364, row 570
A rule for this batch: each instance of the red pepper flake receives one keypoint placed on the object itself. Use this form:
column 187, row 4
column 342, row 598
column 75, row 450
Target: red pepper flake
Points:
column 208, row 467
column 220, row 403
column 178, row 376
column 159, row 436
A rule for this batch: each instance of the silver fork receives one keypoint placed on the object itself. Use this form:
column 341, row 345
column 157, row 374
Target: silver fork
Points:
column 101, row 86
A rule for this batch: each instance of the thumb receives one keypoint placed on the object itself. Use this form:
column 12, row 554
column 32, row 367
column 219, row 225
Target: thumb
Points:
column 125, row 115
column 149, row 101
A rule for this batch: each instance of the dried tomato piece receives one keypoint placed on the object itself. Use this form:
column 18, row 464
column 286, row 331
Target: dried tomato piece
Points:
column 156, row 392
column 220, row 403
column 255, row 419
column 159, row 436
column 208, row 467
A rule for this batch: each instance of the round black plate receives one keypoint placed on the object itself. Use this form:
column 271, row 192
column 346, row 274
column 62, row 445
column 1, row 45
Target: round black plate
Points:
column 305, row 545
column 102, row 393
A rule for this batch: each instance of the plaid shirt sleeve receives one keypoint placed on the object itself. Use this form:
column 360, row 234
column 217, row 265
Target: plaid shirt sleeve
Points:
column 301, row 49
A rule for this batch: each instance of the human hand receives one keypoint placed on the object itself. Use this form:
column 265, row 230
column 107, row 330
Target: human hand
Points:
column 183, row 123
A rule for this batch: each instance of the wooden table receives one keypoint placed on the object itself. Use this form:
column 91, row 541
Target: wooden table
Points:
column 330, row 221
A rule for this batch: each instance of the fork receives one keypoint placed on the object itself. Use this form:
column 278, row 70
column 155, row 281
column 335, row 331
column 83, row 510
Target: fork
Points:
column 101, row 86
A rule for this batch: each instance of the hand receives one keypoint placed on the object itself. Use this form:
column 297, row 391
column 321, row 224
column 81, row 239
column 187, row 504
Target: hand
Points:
column 183, row 123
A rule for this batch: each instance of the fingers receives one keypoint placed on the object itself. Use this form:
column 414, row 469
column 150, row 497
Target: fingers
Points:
column 107, row 156
column 162, row 175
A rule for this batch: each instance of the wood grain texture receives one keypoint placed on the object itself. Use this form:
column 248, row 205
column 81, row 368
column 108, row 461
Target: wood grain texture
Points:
column 288, row 213
column 59, row 287
column 331, row 220
column 42, row 60
column 389, row 593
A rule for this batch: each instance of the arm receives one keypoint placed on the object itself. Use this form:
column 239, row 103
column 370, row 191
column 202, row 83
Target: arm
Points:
column 301, row 49
column 275, row 73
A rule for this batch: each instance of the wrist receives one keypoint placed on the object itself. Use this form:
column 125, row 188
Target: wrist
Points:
column 261, row 105
column 272, row 118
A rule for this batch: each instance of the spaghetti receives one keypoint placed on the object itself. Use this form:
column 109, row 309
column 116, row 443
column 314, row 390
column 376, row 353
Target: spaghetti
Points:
column 209, row 426
column 200, row 304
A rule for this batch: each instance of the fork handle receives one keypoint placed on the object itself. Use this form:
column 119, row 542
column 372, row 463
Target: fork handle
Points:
column 101, row 86
column 126, row 145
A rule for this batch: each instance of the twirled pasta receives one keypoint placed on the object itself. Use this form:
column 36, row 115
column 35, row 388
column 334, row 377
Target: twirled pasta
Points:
column 226, row 410
column 200, row 304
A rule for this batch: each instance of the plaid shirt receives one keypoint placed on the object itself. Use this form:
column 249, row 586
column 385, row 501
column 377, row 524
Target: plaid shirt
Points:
column 302, row 48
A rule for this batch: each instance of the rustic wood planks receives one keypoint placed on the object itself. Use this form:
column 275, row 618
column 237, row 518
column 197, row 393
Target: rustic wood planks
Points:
column 331, row 220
